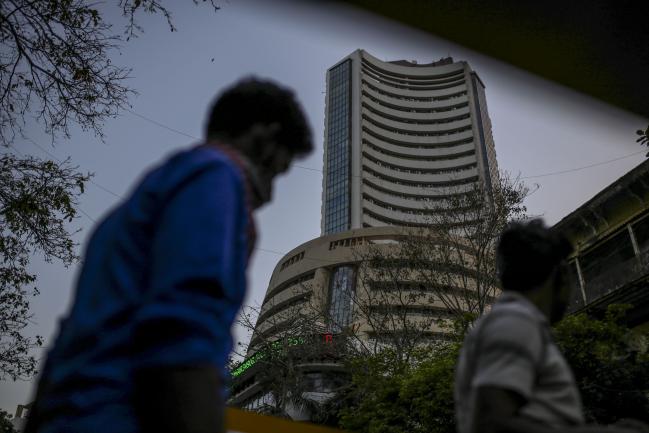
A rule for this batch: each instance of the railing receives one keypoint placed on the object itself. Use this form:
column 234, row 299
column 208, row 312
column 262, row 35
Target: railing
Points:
column 240, row 421
column 616, row 277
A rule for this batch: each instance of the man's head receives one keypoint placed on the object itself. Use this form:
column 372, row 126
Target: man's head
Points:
column 531, row 260
column 265, row 123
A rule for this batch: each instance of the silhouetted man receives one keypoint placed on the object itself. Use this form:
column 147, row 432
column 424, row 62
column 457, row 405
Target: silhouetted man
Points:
column 511, row 376
column 145, row 344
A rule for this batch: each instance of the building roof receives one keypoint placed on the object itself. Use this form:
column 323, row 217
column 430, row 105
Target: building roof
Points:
column 616, row 204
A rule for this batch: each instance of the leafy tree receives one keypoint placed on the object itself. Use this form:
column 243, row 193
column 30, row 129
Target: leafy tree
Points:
column 279, row 353
column 455, row 252
column 441, row 270
column 372, row 401
column 610, row 363
column 414, row 398
column 55, row 63
column 5, row 423
column 397, row 311
column 36, row 200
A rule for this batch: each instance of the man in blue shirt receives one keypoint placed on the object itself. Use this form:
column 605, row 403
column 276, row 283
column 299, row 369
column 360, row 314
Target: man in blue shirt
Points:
column 145, row 344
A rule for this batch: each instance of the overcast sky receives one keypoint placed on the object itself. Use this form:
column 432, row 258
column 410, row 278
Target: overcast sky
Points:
column 539, row 127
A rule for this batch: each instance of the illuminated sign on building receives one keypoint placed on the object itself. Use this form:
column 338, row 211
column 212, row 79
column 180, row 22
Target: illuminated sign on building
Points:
column 276, row 346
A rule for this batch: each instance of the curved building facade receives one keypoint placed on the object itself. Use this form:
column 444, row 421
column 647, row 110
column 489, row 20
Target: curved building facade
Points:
column 327, row 276
column 399, row 138
column 323, row 274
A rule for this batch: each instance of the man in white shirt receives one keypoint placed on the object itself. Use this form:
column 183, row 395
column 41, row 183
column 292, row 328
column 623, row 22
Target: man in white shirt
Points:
column 511, row 376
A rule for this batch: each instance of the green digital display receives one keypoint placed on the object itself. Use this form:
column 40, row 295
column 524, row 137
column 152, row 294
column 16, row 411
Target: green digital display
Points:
column 276, row 346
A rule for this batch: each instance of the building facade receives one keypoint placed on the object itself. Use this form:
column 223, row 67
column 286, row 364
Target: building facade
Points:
column 399, row 138
column 326, row 280
column 610, row 233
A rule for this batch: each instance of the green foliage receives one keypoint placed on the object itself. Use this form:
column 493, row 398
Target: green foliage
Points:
column 372, row 401
column 37, row 199
column 610, row 365
column 428, row 392
column 5, row 423
column 389, row 397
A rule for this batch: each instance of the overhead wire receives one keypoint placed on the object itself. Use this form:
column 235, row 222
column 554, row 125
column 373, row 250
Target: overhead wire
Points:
column 584, row 167
column 184, row 134
column 60, row 161
column 113, row 193
column 155, row 122
column 169, row 128
column 162, row 125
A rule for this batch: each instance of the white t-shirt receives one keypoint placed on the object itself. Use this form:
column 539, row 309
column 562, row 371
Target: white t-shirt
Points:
column 511, row 348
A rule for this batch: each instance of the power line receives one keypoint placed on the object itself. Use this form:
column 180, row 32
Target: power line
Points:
column 322, row 260
column 584, row 167
column 16, row 150
column 162, row 125
column 169, row 128
column 308, row 168
column 155, row 122
column 87, row 216
column 270, row 251
column 115, row 194
column 53, row 156
column 61, row 161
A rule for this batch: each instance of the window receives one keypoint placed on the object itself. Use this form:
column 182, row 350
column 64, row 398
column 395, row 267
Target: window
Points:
column 337, row 164
column 606, row 256
column 641, row 232
column 341, row 289
column 259, row 402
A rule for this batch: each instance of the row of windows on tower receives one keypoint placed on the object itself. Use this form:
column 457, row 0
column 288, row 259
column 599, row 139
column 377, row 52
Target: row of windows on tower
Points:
column 428, row 210
column 420, row 87
column 417, row 157
column 367, row 85
column 419, row 80
column 381, row 178
column 454, row 142
column 393, row 130
column 409, row 121
column 382, row 220
column 423, row 195
column 426, row 110
column 421, row 171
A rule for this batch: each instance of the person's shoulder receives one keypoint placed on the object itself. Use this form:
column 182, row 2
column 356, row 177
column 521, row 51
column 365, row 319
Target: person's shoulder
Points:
column 512, row 321
column 515, row 306
column 200, row 158
column 186, row 165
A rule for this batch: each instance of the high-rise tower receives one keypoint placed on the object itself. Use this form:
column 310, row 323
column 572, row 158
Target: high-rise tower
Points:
column 400, row 136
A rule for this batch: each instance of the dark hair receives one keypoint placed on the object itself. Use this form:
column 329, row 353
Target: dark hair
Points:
column 252, row 101
column 528, row 253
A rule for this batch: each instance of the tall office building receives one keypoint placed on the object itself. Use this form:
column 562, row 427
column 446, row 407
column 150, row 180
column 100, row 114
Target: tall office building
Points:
column 399, row 137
